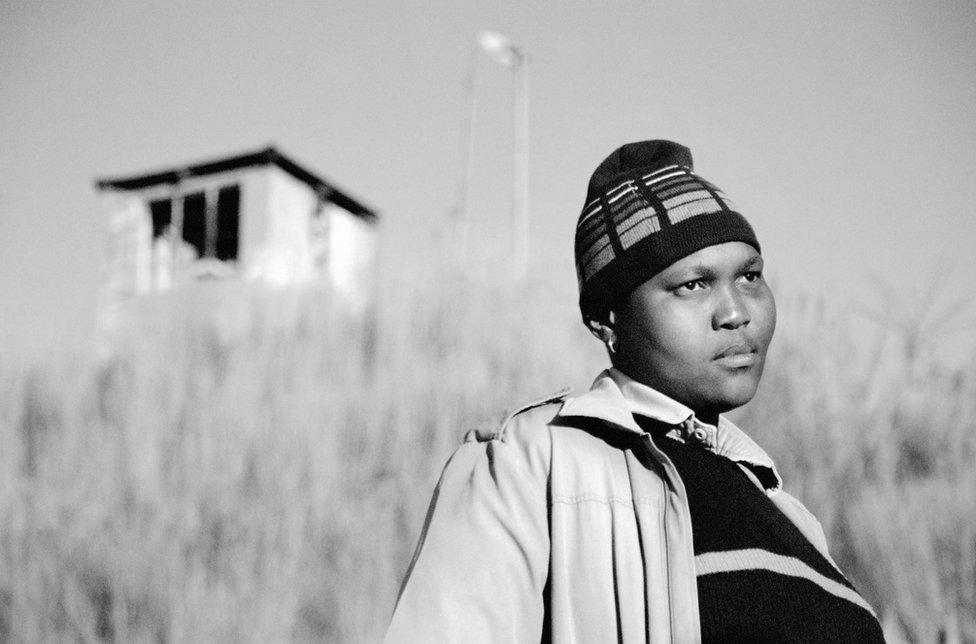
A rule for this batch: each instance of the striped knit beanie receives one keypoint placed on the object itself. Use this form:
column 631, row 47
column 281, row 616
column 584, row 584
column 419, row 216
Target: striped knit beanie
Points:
column 645, row 209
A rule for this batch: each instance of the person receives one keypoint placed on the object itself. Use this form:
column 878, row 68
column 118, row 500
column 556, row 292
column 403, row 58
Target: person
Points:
column 636, row 512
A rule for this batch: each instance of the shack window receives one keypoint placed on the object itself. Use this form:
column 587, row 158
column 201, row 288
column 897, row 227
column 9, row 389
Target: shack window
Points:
column 228, row 222
column 161, row 211
column 195, row 222
column 212, row 229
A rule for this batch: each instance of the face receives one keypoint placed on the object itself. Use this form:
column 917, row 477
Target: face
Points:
column 698, row 330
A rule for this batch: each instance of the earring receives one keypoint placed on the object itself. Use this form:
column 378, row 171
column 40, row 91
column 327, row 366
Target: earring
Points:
column 604, row 333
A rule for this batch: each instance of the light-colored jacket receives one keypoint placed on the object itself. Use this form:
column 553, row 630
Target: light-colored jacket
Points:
column 566, row 523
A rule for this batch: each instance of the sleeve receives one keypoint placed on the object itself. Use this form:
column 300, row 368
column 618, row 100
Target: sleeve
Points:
column 481, row 566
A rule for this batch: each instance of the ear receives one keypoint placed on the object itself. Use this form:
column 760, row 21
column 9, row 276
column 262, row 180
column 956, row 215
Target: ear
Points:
column 603, row 331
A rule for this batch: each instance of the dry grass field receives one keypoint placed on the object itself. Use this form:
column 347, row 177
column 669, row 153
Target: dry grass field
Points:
column 239, row 465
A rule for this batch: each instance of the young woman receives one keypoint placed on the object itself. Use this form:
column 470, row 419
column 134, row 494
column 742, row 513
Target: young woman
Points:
column 636, row 512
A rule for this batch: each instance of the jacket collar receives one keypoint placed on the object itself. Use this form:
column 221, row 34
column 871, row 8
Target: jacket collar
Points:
column 614, row 398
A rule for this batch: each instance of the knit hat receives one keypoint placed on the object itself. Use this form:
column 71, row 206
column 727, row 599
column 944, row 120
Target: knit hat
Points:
column 645, row 209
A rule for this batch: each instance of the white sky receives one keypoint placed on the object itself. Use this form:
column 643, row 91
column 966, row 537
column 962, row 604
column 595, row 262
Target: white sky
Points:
column 845, row 131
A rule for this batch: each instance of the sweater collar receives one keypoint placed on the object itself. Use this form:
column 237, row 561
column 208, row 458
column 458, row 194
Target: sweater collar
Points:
column 615, row 398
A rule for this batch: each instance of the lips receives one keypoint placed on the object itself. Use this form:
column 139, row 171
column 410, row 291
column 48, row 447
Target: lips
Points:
column 737, row 356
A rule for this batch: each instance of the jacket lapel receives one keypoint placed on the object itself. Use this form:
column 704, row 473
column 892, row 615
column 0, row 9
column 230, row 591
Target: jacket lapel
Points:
column 605, row 402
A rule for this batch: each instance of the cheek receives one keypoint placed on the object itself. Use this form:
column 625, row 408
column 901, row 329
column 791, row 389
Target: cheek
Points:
column 669, row 341
column 768, row 317
column 638, row 338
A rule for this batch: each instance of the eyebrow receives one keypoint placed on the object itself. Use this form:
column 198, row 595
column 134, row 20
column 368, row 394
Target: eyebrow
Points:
column 707, row 272
column 752, row 261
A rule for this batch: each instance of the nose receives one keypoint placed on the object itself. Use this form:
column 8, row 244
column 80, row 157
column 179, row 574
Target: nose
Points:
column 731, row 310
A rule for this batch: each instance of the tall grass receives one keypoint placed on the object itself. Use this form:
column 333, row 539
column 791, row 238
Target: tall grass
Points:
column 241, row 464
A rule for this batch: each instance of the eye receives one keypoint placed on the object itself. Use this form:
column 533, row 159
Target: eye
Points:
column 753, row 276
column 690, row 286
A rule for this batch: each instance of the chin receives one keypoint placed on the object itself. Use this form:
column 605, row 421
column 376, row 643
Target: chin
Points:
column 735, row 395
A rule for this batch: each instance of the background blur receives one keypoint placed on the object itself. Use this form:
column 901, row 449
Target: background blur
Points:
column 186, row 479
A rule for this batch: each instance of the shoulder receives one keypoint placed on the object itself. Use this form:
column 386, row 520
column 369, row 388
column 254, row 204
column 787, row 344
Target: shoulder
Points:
column 524, row 430
column 529, row 417
column 513, row 458
column 532, row 415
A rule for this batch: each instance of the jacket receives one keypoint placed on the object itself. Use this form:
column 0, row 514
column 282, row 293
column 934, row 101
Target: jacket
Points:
column 567, row 523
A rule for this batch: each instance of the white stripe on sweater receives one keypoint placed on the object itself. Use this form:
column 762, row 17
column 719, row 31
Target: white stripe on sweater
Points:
column 710, row 563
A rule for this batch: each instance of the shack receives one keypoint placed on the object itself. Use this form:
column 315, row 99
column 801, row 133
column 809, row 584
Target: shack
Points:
column 253, row 216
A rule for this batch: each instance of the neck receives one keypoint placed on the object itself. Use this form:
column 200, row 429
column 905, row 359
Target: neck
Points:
column 710, row 417
column 703, row 414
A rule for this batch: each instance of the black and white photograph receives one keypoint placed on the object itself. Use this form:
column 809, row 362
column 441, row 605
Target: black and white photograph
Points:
column 419, row 322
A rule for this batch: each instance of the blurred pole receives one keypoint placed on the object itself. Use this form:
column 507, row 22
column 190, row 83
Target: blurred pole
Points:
column 176, row 230
column 503, row 51
column 520, row 183
column 461, row 215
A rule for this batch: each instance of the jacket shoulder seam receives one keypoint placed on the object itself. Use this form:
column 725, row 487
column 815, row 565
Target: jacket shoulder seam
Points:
column 557, row 396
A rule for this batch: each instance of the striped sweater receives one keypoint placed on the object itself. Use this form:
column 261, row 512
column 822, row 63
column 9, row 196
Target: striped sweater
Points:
column 759, row 578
